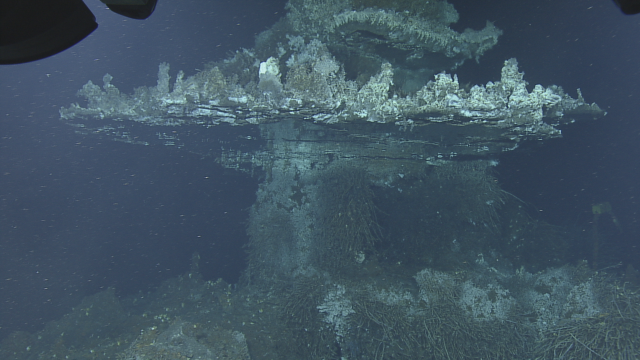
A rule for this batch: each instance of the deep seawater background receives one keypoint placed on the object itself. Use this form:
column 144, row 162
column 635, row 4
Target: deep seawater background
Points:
column 78, row 214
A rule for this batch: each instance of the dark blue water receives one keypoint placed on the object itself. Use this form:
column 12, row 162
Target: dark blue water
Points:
column 80, row 214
